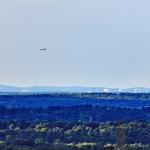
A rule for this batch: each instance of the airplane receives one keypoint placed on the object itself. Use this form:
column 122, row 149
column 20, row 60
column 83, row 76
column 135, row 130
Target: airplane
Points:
column 43, row 49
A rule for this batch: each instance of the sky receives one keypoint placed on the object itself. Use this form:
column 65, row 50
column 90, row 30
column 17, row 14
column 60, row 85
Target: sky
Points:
column 90, row 43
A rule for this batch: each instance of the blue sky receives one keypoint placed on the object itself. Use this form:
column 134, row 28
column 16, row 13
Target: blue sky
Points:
column 90, row 43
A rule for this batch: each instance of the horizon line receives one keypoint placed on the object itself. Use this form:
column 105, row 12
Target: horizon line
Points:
column 73, row 86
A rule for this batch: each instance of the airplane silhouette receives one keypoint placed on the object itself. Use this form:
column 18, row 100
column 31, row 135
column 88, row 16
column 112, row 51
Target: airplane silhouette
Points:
column 43, row 49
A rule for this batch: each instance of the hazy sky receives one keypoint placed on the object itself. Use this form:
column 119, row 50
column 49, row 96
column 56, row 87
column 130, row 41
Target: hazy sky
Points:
column 90, row 42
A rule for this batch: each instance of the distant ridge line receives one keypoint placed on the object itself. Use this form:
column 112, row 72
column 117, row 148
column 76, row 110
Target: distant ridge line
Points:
column 70, row 89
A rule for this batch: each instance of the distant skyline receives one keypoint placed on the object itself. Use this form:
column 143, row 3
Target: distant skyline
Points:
column 90, row 43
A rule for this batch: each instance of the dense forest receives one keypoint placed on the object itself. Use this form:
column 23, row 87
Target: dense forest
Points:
column 80, row 113
column 75, row 121
column 74, row 136
column 101, row 99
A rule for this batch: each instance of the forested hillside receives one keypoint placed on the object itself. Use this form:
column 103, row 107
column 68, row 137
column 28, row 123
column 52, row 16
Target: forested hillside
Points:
column 75, row 121
column 74, row 136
